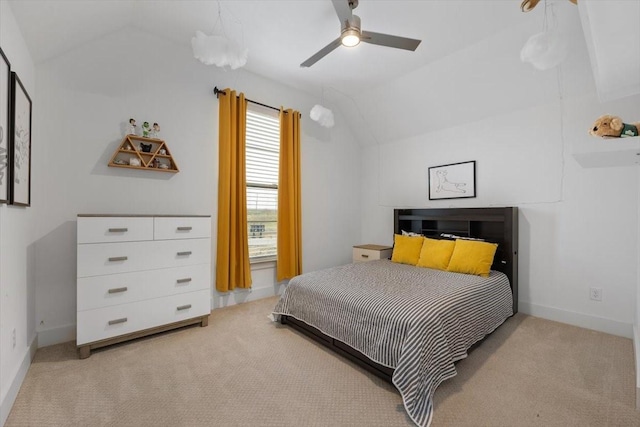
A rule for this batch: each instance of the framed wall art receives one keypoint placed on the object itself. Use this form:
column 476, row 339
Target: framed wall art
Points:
column 5, row 103
column 20, row 143
column 454, row 181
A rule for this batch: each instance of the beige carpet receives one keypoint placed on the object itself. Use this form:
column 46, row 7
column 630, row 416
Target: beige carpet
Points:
column 244, row 370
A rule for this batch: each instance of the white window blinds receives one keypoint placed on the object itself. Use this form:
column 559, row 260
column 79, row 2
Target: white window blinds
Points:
column 262, row 160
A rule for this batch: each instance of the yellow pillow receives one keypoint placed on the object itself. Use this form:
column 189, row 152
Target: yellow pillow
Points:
column 406, row 249
column 472, row 257
column 436, row 253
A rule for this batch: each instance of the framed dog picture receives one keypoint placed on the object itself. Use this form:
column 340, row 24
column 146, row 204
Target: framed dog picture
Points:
column 454, row 181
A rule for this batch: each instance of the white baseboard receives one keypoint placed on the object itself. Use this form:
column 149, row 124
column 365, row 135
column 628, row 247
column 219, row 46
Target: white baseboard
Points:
column 239, row 296
column 16, row 383
column 57, row 335
column 636, row 353
column 601, row 324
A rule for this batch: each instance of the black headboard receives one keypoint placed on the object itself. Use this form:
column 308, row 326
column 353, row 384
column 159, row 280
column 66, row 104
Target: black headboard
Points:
column 496, row 225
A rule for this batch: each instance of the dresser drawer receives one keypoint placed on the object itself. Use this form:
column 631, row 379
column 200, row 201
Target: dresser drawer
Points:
column 362, row 254
column 108, row 322
column 166, row 228
column 113, row 289
column 113, row 258
column 176, row 253
column 114, row 229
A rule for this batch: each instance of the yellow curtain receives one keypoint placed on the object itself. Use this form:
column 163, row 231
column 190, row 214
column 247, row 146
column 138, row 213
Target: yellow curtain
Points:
column 232, row 266
column 289, row 262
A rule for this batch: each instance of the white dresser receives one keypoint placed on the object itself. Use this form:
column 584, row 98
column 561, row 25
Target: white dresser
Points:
column 139, row 275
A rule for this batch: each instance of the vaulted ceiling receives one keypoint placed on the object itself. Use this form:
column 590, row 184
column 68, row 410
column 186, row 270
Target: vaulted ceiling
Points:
column 279, row 34
column 469, row 51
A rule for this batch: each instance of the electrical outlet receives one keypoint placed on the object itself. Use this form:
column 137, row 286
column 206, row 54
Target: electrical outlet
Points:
column 13, row 338
column 595, row 294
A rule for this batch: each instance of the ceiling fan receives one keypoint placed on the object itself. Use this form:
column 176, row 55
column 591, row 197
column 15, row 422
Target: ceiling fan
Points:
column 351, row 34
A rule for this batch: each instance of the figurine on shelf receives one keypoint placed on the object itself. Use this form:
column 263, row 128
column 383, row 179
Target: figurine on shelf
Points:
column 156, row 163
column 145, row 148
column 131, row 129
column 146, row 129
column 134, row 161
column 155, row 131
column 162, row 151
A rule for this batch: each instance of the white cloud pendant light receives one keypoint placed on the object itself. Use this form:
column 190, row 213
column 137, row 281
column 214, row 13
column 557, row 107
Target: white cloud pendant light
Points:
column 218, row 51
column 544, row 50
column 322, row 115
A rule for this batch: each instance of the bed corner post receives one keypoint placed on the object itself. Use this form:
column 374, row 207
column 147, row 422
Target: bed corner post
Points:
column 513, row 229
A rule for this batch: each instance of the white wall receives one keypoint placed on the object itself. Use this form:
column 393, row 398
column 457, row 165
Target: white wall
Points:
column 86, row 96
column 636, row 325
column 578, row 227
column 17, row 311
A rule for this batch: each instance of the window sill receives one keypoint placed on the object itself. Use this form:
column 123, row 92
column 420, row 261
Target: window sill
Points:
column 260, row 263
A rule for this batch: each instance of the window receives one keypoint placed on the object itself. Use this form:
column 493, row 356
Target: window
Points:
column 262, row 158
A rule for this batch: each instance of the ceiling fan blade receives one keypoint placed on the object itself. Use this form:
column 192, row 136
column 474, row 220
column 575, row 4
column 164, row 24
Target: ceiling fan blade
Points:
column 389, row 40
column 321, row 53
column 343, row 10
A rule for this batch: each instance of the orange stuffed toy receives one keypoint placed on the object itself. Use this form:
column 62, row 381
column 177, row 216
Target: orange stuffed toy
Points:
column 612, row 127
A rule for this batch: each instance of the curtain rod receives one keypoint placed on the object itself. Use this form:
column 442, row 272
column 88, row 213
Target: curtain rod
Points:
column 216, row 91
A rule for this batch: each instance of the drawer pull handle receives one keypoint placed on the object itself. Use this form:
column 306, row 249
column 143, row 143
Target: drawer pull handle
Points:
column 184, row 307
column 116, row 321
column 185, row 228
column 118, row 258
column 184, row 253
column 364, row 256
column 118, row 230
column 117, row 290
column 188, row 279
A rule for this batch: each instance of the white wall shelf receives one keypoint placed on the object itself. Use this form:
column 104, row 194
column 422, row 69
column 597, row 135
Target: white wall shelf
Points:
column 602, row 152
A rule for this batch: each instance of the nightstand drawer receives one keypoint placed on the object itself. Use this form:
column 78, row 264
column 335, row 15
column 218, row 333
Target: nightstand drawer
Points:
column 363, row 253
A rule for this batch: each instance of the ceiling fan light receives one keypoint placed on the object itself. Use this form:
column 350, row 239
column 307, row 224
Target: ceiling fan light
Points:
column 350, row 38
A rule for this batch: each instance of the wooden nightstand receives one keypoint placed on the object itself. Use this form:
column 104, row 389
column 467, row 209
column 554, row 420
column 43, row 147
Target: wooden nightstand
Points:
column 362, row 253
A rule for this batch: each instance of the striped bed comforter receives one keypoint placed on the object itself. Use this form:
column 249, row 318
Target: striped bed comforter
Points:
column 416, row 320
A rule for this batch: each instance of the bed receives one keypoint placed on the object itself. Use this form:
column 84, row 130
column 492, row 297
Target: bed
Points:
column 407, row 324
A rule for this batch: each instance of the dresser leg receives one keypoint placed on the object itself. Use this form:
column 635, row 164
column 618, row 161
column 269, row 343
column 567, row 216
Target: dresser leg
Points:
column 204, row 322
column 84, row 351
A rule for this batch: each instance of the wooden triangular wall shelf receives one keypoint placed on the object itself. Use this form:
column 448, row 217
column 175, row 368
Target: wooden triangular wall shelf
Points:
column 150, row 153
